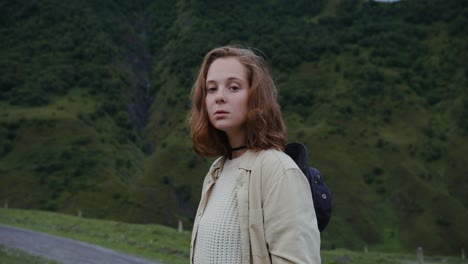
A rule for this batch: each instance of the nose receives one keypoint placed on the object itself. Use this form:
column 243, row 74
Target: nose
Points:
column 220, row 96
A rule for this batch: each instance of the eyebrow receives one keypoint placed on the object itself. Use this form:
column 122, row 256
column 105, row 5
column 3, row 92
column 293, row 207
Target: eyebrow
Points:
column 228, row 79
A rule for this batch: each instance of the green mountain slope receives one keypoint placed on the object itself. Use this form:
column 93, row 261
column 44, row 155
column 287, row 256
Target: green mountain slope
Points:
column 94, row 97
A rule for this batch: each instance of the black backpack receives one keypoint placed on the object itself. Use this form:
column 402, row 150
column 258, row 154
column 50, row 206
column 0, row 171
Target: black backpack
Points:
column 320, row 193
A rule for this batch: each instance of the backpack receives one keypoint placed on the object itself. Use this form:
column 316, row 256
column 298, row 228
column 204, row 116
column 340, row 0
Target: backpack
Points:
column 320, row 193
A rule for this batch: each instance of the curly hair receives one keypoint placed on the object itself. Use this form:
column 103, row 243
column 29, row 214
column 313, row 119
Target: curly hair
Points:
column 265, row 128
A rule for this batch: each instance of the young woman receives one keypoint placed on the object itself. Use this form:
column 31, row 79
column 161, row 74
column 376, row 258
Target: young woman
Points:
column 256, row 205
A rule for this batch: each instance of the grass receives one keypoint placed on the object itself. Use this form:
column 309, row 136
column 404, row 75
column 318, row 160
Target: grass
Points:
column 352, row 257
column 13, row 256
column 155, row 241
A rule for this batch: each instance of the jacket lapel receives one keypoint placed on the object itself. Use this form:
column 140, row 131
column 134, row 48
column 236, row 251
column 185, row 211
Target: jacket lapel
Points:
column 242, row 188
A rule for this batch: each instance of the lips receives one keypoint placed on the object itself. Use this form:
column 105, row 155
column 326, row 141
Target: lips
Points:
column 221, row 112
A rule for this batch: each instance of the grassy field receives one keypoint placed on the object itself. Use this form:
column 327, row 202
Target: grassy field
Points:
column 155, row 241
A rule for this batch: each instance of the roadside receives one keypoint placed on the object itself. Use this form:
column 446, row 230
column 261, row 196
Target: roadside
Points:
column 63, row 250
column 16, row 256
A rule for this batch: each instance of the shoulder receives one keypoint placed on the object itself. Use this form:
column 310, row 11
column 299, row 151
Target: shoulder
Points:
column 276, row 159
column 278, row 174
column 273, row 165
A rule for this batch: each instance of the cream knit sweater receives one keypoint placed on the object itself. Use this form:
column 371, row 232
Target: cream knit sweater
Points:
column 218, row 238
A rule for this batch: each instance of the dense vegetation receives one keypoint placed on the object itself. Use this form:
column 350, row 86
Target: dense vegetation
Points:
column 94, row 96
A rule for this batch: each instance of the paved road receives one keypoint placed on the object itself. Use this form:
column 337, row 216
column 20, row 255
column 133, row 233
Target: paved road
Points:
column 63, row 250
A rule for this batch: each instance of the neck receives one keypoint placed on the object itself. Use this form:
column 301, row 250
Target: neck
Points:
column 238, row 148
column 237, row 151
column 236, row 142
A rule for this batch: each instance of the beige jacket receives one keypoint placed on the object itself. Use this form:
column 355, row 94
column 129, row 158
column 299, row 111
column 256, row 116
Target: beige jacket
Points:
column 276, row 211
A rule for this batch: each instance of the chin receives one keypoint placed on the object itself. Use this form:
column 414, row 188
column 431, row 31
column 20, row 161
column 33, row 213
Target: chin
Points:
column 222, row 128
column 219, row 124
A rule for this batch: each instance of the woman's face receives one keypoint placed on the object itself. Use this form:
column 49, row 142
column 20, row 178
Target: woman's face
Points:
column 227, row 91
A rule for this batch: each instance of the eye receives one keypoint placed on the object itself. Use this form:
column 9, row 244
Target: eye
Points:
column 211, row 89
column 234, row 88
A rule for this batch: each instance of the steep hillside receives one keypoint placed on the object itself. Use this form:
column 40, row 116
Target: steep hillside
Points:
column 94, row 97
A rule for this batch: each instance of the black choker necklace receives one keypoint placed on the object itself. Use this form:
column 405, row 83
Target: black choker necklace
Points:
column 238, row 148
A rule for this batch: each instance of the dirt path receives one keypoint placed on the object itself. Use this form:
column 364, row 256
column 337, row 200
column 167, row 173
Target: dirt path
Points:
column 63, row 250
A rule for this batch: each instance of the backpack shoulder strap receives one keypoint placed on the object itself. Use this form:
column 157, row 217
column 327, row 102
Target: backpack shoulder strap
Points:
column 321, row 194
column 298, row 153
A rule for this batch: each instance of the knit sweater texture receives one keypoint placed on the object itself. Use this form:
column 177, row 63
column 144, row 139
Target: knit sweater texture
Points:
column 218, row 239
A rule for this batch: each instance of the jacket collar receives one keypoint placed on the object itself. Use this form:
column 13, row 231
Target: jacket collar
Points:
column 248, row 159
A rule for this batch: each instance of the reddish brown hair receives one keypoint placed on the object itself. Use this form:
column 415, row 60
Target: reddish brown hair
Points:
column 265, row 127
